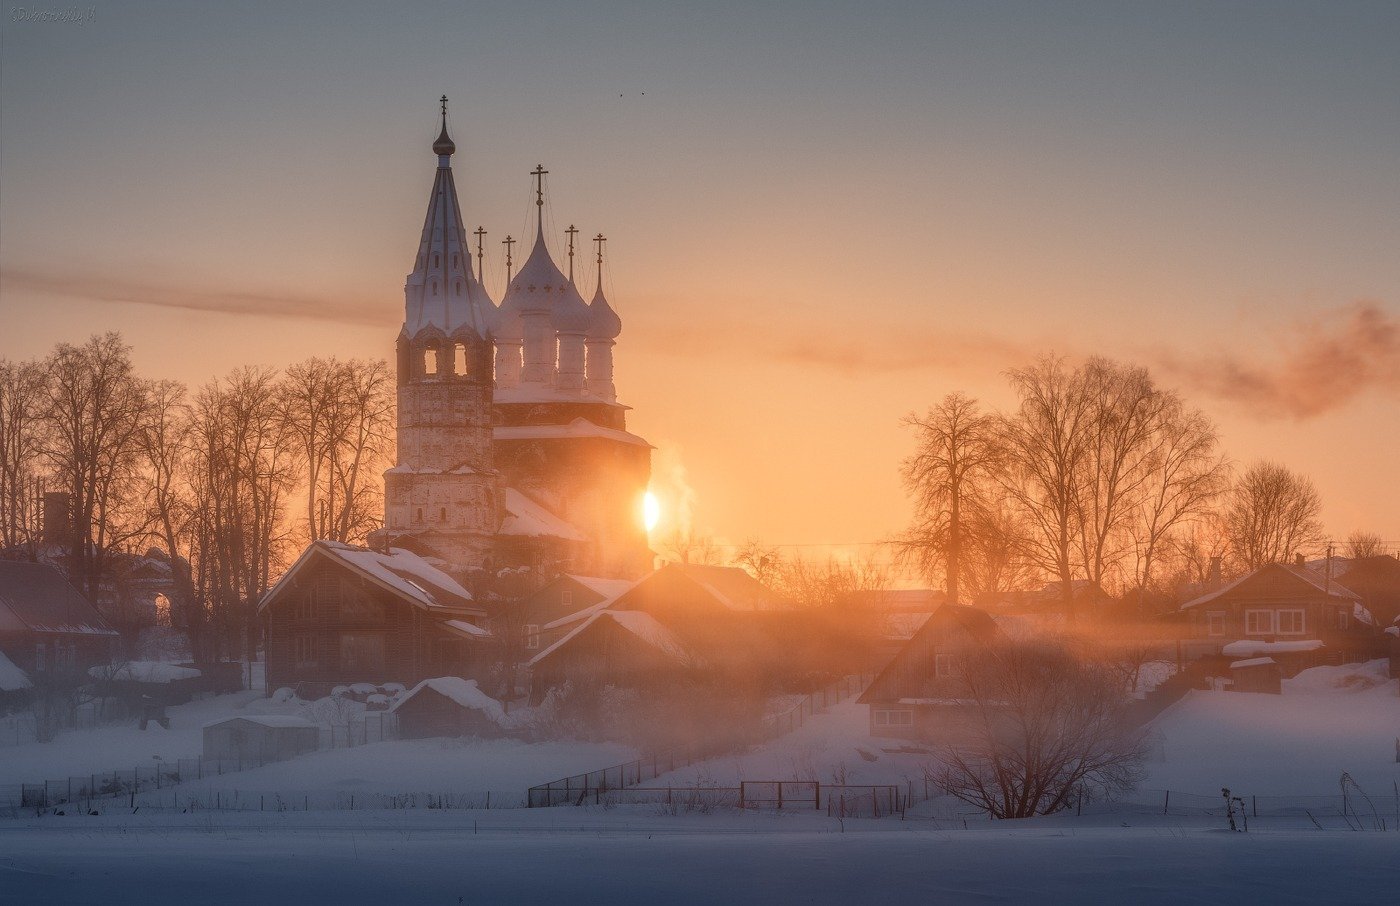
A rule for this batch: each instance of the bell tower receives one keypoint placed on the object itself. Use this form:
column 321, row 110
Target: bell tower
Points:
column 442, row 497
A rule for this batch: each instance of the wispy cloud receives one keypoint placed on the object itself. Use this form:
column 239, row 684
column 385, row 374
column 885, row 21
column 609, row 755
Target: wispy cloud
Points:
column 233, row 301
column 1310, row 367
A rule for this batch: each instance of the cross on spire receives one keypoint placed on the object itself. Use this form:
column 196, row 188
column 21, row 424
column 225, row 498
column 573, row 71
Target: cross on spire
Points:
column 539, row 173
column 444, row 108
column 598, row 241
column 480, row 234
column 508, row 242
column 571, row 231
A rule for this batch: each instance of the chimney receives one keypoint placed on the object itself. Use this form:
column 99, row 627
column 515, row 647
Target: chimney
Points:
column 58, row 517
column 1299, row 560
column 1213, row 576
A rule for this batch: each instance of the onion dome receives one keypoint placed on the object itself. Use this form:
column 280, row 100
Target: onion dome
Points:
column 571, row 313
column 444, row 146
column 603, row 322
column 505, row 324
column 538, row 284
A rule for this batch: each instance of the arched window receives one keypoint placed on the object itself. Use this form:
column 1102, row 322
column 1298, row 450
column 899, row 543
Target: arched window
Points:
column 419, row 517
column 459, row 359
column 442, row 514
column 457, row 287
column 437, row 259
column 435, row 287
column 454, row 259
column 430, row 361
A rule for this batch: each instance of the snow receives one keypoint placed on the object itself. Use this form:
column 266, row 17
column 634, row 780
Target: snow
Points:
column 1252, row 662
column 645, row 627
column 579, row 427
column 404, row 571
column 465, row 628
column 462, row 691
column 12, row 679
column 266, row 720
column 525, row 517
column 143, row 672
column 1248, row 648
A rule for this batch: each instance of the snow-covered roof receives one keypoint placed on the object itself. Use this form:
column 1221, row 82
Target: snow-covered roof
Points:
column 525, row 517
column 608, row 588
column 266, row 720
column 35, row 597
column 143, row 672
column 402, row 572
column 12, row 679
column 1330, row 588
column 579, row 427
column 1252, row 662
column 464, row 692
column 537, row 393
column 468, row 630
column 538, row 283
column 1249, row 648
column 639, row 623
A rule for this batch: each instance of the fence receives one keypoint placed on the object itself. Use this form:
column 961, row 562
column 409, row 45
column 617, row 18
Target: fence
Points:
column 17, row 729
column 578, row 788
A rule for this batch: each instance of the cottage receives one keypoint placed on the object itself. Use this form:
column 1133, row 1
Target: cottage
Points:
column 345, row 614
column 260, row 738
column 541, row 616
column 447, row 706
column 48, row 631
column 1291, row 613
column 920, row 694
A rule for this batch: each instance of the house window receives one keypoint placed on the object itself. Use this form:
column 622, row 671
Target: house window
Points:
column 946, row 665
column 566, row 597
column 361, row 651
column 41, row 657
column 890, row 717
column 304, row 650
column 65, row 657
column 442, row 514
column 1215, row 623
column 1290, row 622
column 532, row 636
column 1343, row 619
column 1258, row 622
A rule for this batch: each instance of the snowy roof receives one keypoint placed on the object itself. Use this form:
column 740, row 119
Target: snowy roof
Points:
column 731, row 586
column 143, row 672
column 1249, row 648
column 469, row 630
column 579, row 427
column 538, row 282
column 266, row 720
column 640, row 624
column 608, row 588
column 1330, row 588
column 464, row 692
column 12, row 679
column 1252, row 662
column 401, row 572
column 536, row 393
column 525, row 517
column 35, row 597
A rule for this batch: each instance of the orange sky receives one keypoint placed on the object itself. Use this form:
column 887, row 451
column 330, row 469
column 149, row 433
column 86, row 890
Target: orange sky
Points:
column 817, row 223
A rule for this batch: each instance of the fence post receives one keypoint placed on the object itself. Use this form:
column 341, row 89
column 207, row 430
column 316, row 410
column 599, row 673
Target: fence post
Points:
column 741, row 794
column 1166, row 801
column 818, row 803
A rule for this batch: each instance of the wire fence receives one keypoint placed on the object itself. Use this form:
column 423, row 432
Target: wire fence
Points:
column 578, row 788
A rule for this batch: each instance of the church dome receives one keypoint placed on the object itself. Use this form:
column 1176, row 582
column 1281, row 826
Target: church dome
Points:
column 571, row 313
column 538, row 284
column 444, row 145
column 504, row 323
column 603, row 322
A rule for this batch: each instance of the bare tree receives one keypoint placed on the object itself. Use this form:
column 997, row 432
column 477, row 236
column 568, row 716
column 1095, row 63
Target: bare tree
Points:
column 688, row 547
column 949, row 475
column 1274, row 513
column 21, row 385
column 94, row 412
column 1364, row 544
column 1045, row 728
column 995, row 560
column 762, row 562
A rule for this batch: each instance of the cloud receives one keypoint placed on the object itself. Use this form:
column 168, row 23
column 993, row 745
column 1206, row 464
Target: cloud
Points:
column 1315, row 365
column 907, row 350
column 105, row 289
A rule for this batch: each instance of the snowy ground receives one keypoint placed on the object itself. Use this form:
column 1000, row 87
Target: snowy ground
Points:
column 635, row 855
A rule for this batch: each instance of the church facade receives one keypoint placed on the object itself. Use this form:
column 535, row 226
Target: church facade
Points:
column 513, row 449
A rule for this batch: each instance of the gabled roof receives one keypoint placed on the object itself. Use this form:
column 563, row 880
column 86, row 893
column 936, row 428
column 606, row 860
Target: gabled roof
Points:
column 400, row 572
column 976, row 623
column 579, row 427
column 642, row 625
column 1309, row 579
column 524, row 516
column 729, row 585
column 35, row 597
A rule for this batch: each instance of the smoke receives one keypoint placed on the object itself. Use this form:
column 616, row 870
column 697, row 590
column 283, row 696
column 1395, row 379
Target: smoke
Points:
column 907, row 350
column 1315, row 365
column 670, row 483
column 105, row 289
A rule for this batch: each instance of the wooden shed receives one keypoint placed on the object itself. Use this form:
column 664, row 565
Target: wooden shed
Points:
column 260, row 738
column 1258, row 674
column 447, row 706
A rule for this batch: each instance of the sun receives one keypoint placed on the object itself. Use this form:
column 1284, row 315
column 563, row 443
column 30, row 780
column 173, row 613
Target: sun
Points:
column 651, row 510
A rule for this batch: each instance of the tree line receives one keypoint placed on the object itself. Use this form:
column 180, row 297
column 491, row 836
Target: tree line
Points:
column 1096, row 474
column 228, row 480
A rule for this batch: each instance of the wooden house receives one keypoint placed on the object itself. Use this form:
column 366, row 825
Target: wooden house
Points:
column 1288, row 612
column 541, row 616
column 48, row 631
column 920, row 694
column 684, row 618
column 345, row 614
column 1377, row 581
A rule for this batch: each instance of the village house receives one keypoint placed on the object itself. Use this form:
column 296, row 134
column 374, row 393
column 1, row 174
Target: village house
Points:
column 1285, row 611
column 345, row 614
column 551, row 606
column 920, row 694
column 686, row 619
column 49, row 634
column 447, row 706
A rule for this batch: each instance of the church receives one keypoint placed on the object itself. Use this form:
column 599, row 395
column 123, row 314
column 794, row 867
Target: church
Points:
column 512, row 451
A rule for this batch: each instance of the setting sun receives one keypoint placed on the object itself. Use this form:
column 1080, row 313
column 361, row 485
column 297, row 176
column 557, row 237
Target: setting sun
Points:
column 651, row 510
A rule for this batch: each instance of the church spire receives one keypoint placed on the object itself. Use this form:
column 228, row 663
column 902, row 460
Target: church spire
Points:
column 444, row 291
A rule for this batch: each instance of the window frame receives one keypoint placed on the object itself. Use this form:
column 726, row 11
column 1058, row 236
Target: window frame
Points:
column 1249, row 620
column 1302, row 613
column 885, row 717
column 946, row 665
column 532, row 636
column 1212, row 617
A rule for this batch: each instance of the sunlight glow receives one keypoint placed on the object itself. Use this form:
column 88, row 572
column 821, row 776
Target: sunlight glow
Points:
column 651, row 510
